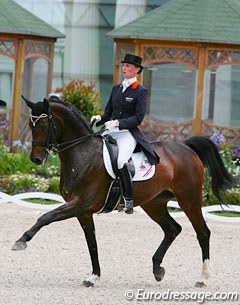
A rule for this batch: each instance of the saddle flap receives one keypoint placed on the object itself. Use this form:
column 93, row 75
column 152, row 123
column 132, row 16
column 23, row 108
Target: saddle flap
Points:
column 112, row 147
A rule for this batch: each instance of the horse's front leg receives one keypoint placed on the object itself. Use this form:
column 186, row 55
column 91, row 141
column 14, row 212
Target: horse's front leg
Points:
column 89, row 231
column 63, row 212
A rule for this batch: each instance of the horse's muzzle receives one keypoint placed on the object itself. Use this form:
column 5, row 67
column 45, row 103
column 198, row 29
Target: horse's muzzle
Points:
column 37, row 161
column 39, row 158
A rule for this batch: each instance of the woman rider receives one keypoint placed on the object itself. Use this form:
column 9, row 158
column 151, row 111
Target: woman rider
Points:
column 123, row 114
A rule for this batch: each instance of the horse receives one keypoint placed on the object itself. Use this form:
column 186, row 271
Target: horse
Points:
column 84, row 182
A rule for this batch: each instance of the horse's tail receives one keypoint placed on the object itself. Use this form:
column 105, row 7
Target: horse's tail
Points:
column 221, row 179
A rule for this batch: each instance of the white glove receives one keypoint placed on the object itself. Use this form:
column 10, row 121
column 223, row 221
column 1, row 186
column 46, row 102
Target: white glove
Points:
column 111, row 124
column 96, row 117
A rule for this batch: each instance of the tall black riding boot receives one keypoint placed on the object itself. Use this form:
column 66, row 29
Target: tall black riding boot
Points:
column 126, row 182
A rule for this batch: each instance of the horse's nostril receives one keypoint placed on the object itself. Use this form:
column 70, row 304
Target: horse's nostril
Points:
column 37, row 161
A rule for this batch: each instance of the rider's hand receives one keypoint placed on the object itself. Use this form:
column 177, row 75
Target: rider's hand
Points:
column 96, row 117
column 111, row 124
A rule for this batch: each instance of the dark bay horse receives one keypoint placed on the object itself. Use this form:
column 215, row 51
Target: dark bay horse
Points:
column 84, row 181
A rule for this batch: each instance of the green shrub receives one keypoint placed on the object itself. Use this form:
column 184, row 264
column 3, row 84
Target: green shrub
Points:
column 19, row 162
column 83, row 97
column 230, row 198
column 18, row 174
column 12, row 163
column 54, row 185
column 50, row 169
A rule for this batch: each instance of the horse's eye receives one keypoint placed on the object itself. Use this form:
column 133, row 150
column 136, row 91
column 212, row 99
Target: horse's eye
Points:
column 38, row 123
column 43, row 122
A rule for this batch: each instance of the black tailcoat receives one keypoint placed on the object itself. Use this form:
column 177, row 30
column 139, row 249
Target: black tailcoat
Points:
column 129, row 108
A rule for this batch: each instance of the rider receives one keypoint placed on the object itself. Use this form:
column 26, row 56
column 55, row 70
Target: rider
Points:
column 125, row 111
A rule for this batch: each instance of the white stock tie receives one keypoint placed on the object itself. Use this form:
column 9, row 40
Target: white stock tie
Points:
column 126, row 83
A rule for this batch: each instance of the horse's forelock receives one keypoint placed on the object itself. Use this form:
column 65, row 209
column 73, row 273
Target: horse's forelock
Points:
column 39, row 108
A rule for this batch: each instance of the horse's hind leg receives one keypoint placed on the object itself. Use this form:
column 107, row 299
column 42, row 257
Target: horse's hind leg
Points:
column 194, row 213
column 158, row 212
column 63, row 212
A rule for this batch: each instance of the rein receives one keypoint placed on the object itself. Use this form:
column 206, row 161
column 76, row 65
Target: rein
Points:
column 56, row 148
column 59, row 147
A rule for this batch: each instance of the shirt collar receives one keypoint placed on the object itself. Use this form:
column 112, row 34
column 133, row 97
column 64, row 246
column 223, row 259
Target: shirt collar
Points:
column 129, row 81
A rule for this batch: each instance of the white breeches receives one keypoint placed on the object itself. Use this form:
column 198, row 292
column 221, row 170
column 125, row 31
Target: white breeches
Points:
column 126, row 144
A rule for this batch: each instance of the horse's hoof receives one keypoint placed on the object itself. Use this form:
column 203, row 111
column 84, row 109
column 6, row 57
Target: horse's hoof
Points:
column 200, row 285
column 159, row 273
column 120, row 207
column 90, row 280
column 19, row 245
column 88, row 284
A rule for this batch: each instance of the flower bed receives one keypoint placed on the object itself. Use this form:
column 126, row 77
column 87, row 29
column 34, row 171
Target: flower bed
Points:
column 230, row 153
column 19, row 174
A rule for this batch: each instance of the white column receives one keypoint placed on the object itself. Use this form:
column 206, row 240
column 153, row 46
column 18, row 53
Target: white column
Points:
column 127, row 11
column 222, row 110
column 82, row 40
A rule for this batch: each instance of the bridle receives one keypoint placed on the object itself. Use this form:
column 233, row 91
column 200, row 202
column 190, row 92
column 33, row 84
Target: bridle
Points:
column 51, row 129
column 59, row 147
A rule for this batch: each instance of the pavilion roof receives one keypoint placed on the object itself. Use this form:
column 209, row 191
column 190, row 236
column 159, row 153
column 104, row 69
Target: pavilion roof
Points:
column 15, row 19
column 187, row 20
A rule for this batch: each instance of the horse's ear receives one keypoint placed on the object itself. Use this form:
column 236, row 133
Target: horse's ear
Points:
column 29, row 103
column 46, row 103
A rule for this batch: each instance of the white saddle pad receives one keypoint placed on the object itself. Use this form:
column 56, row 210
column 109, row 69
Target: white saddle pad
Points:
column 143, row 169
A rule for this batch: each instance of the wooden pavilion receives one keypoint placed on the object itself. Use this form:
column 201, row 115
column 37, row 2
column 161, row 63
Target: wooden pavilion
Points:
column 26, row 64
column 191, row 55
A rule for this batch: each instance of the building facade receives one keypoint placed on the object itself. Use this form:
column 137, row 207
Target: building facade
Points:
column 86, row 53
column 187, row 96
column 191, row 55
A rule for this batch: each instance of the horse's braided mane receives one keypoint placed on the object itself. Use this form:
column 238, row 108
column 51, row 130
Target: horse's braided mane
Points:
column 74, row 109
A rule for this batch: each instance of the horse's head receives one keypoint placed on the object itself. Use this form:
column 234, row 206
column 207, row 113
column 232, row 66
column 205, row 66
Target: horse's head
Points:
column 43, row 130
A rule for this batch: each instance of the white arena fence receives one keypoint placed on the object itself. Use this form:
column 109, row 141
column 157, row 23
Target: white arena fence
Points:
column 19, row 199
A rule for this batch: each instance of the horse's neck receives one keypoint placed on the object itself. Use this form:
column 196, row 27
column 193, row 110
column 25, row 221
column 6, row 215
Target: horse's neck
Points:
column 87, row 150
column 73, row 125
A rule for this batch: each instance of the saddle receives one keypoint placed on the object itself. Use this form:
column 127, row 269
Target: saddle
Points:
column 138, row 166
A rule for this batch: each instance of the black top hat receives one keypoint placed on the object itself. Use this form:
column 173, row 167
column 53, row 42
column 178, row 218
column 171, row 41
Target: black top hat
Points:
column 133, row 59
column 2, row 103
